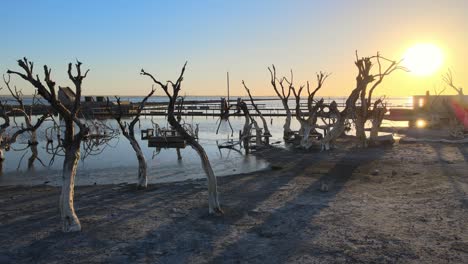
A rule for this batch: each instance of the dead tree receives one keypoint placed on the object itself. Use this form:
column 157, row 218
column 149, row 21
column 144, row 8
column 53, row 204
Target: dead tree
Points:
column 246, row 133
column 363, row 79
column 377, row 115
column 29, row 126
column 448, row 79
column 128, row 130
column 72, row 140
column 459, row 119
column 16, row 130
column 266, row 131
column 315, row 108
column 284, row 97
column 172, row 89
column 3, row 127
column 367, row 83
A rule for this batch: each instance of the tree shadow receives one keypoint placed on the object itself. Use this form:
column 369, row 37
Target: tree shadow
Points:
column 448, row 170
column 193, row 237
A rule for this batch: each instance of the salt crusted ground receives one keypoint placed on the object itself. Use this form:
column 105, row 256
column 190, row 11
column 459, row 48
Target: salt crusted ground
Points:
column 403, row 204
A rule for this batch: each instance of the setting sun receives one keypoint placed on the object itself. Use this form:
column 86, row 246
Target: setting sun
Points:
column 423, row 59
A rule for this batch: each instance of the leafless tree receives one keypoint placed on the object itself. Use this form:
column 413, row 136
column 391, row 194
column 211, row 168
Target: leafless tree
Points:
column 283, row 94
column 364, row 78
column 448, row 79
column 172, row 89
column 72, row 140
column 315, row 109
column 266, row 131
column 246, row 133
column 377, row 115
column 29, row 125
column 128, row 130
column 7, row 139
column 367, row 83
column 458, row 120
column 3, row 127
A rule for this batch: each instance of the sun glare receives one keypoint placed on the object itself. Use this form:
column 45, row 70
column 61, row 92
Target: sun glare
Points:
column 423, row 59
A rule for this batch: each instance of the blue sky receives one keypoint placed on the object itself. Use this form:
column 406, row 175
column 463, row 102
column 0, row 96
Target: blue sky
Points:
column 115, row 39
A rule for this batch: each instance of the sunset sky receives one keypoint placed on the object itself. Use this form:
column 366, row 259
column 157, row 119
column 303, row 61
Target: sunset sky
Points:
column 115, row 39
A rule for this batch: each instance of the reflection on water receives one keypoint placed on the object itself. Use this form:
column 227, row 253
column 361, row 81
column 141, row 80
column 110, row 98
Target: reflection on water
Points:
column 117, row 163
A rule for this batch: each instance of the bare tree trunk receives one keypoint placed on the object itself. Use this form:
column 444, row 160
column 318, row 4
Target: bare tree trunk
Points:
column 32, row 158
column 213, row 200
column 2, row 158
column 306, row 130
column 287, row 122
column 142, row 168
column 360, row 130
column 337, row 129
column 34, row 152
column 69, row 112
column 67, row 210
column 378, row 115
column 179, row 156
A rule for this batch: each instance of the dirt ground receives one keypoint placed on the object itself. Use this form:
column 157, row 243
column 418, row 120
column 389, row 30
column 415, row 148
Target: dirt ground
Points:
column 401, row 204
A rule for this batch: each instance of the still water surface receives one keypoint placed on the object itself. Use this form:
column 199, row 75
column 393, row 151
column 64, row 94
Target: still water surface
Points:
column 117, row 162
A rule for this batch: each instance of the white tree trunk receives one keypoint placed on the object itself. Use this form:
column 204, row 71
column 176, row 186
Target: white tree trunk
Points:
column 378, row 115
column 67, row 210
column 34, row 152
column 360, row 130
column 287, row 124
column 306, row 129
column 258, row 134
column 336, row 130
column 142, row 168
column 213, row 202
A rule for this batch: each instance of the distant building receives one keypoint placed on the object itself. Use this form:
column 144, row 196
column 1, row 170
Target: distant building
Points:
column 438, row 110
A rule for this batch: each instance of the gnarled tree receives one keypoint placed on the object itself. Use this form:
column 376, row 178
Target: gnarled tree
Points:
column 363, row 79
column 7, row 139
column 459, row 109
column 448, row 79
column 72, row 140
column 128, row 130
column 172, row 89
column 283, row 94
column 315, row 108
column 367, row 83
column 266, row 131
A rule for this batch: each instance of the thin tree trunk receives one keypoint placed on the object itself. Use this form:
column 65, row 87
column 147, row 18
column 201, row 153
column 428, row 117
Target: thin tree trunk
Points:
column 67, row 210
column 34, row 152
column 2, row 158
column 287, row 123
column 306, row 129
column 378, row 115
column 360, row 130
column 32, row 158
column 213, row 201
column 258, row 134
column 142, row 168
column 179, row 156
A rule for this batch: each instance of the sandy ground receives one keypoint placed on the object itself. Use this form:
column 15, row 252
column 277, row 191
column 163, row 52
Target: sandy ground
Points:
column 402, row 204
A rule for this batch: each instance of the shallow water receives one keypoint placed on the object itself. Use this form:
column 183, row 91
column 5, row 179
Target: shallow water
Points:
column 117, row 162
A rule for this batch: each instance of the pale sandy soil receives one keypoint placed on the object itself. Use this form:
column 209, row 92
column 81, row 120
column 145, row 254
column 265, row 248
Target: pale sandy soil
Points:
column 403, row 204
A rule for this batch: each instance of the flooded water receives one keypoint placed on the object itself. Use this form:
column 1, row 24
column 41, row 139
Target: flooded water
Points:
column 117, row 163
